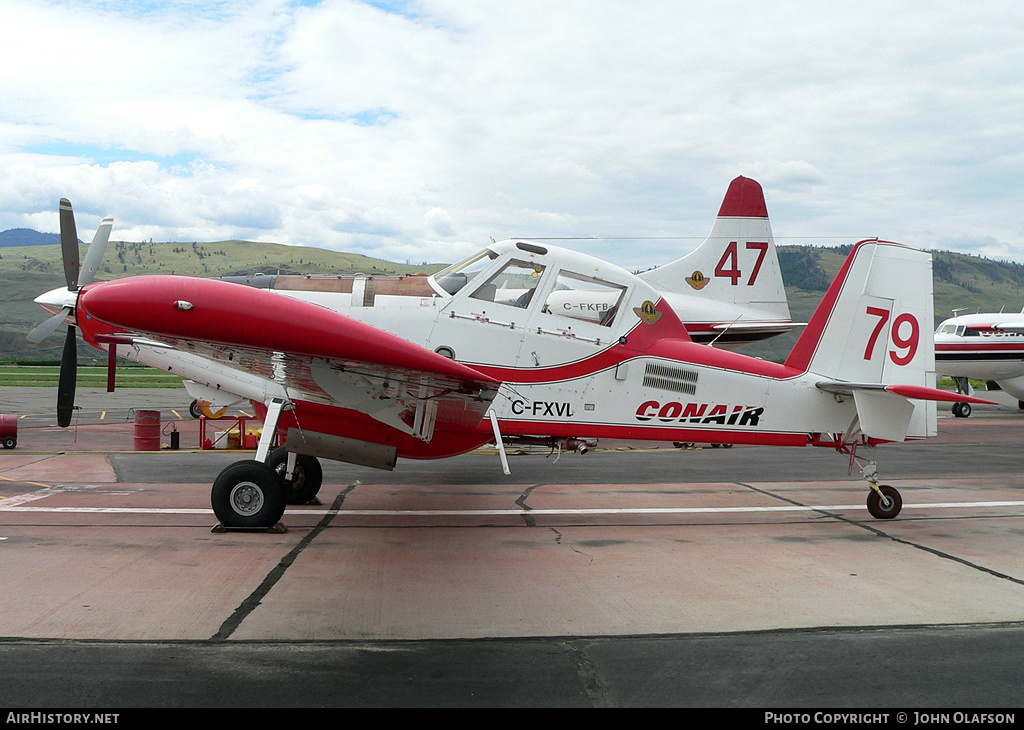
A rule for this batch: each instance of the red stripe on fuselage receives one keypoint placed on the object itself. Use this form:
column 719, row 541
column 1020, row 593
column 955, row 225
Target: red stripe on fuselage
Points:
column 649, row 433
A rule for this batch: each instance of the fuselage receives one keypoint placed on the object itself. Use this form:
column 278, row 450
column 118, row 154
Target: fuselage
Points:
column 582, row 349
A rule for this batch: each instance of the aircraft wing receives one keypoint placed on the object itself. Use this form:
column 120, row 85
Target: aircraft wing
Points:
column 318, row 354
column 757, row 328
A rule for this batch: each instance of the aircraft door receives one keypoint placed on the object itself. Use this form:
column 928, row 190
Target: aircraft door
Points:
column 485, row 322
column 580, row 316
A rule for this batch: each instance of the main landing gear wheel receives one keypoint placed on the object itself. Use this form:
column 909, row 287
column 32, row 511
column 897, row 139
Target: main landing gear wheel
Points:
column 885, row 502
column 962, row 410
column 306, row 478
column 248, row 495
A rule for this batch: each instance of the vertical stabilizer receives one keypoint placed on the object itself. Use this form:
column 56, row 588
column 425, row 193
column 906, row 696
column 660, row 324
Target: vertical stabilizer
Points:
column 872, row 336
column 737, row 263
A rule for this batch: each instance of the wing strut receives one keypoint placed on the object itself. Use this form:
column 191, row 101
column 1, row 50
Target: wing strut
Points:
column 498, row 441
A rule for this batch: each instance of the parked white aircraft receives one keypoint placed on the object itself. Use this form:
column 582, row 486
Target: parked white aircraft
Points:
column 728, row 291
column 982, row 347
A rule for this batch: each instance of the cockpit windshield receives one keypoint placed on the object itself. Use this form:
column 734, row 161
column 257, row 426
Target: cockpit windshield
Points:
column 458, row 275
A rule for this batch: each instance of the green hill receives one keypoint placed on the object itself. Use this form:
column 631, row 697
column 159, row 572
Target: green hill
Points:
column 961, row 281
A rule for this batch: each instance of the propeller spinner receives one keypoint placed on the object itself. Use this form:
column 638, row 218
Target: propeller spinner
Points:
column 76, row 276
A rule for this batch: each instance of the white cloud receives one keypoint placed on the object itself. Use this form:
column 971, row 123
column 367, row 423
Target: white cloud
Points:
column 421, row 131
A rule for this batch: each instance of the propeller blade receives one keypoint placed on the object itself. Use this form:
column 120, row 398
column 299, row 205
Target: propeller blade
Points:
column 69, row 243
column 95, row 253
column 66, row 382
column 47, row 328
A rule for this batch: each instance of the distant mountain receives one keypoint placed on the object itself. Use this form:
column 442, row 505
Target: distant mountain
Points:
column 27, row 237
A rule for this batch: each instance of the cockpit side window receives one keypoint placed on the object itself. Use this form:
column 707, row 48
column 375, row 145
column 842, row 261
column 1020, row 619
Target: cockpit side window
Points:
column 513, row 285
column 458, row 275
column 585, row 298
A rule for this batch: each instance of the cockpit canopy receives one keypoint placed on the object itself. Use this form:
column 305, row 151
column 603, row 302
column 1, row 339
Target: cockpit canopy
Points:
column 571, row 284
column 456, row 276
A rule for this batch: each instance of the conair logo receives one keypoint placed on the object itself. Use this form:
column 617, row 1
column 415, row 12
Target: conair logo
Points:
column 702, row 413
column 647, row 312
column 697, row 280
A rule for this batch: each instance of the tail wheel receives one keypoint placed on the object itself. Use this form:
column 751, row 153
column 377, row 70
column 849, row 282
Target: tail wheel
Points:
column 885, row 502
column 248, row 494
column 306, row 479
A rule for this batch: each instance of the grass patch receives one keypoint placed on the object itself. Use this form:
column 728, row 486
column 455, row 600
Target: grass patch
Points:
column 87, row 377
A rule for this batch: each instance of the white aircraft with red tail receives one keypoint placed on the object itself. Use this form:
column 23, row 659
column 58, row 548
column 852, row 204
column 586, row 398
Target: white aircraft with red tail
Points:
column 728, row 291
column 488, row 352
column 984, row 347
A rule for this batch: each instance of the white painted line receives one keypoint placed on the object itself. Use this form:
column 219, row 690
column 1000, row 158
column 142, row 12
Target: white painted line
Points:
column 11, row 503
column 6, row 506
column 668, row 510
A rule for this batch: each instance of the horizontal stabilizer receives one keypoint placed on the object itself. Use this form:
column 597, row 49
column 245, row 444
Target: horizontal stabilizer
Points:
column 918, row 392
column 742, row 326
column 885, row 412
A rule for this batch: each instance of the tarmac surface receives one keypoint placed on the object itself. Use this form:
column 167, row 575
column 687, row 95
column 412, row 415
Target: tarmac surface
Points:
column 632, row 576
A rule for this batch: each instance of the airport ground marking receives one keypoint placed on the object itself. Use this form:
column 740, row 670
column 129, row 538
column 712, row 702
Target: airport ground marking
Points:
column 10, row 505
column 21, row 481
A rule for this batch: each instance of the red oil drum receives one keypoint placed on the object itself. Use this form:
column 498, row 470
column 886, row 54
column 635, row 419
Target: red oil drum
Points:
column 147, row 431
column 8, row 431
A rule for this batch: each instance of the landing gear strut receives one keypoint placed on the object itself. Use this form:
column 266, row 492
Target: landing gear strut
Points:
column 884, row 501
column 963, row 387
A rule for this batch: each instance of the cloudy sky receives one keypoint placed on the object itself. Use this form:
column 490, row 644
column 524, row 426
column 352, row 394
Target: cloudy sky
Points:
column 418, row 130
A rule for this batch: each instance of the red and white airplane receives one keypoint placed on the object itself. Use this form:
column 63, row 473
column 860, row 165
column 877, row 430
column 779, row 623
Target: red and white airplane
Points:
column 495, row 349
column 984, row 347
